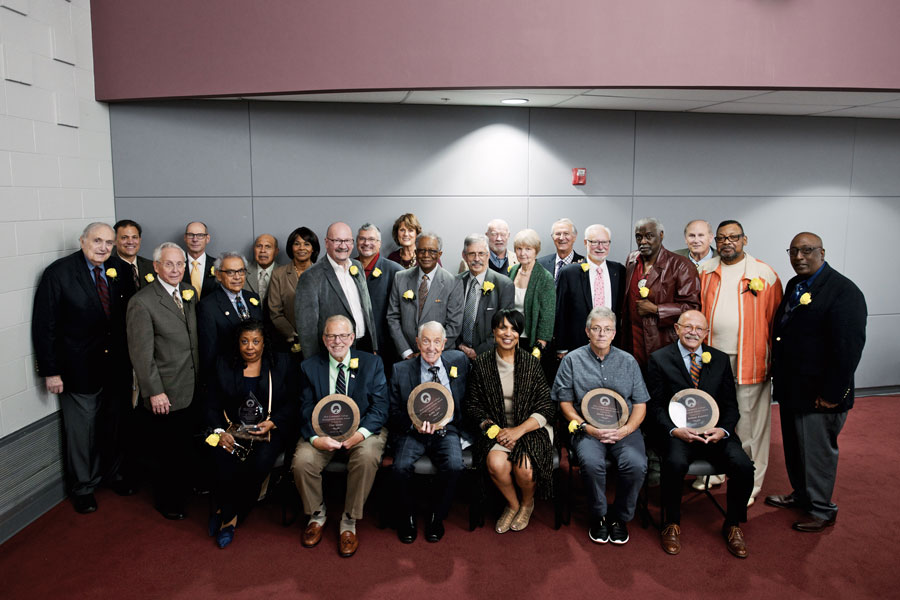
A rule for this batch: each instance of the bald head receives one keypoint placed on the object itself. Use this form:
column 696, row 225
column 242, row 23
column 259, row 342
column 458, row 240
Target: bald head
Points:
column 691, row 328
column 807, row 253
column 339, row 242
column 265, row 249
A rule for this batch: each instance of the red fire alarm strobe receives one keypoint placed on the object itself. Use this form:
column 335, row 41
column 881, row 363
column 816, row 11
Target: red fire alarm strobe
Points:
column 579, row 175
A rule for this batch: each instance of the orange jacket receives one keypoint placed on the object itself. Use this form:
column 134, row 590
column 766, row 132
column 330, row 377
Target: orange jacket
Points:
column 755, row 313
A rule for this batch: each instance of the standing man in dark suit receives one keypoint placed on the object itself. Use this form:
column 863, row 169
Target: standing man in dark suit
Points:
column 162, row 341
column 819, row 332
column 564, row 235
column 223, row 309
column 426, row 292
column 442, row 445
column 379, row 272
column 659, row 286
column 78, row 331
column 334, row 286
column 128, row 244
column 689, row 363
column 200, row 271
column 359, row 375
column 484, row 293
column 582, row 287
column 259, row 272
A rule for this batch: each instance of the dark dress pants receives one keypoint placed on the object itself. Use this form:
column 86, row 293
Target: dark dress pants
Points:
column 166, row 450
column 446, row 454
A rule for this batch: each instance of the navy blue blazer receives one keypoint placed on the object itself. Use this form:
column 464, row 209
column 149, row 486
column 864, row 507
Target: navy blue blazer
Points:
column 366, row 385
column 575, row 299
column 379, row 292
column 216, row 323
column 407, row 375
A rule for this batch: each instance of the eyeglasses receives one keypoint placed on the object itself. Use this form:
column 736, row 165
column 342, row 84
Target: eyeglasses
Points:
column 598, row 243
column 696, row 328
column 805, row 250
column 367, row 240
column 476, row 254
column 603, row 330
column 339, row 242
column 731, row 238
column 195, row 236
column 428, row 251
column 344, row 337
column 233, row 272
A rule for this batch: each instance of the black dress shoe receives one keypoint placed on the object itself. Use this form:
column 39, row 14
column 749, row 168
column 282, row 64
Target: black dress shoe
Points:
column 434, row 530
column 173, row 513
column 786, row 501
column 813, row 526
column 123, row 487
column 84, row 503
column 407, row 530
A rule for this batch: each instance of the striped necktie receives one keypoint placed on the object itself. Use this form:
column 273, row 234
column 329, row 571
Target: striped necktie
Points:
column 695, row 370
column 340, row 387
column 102, row 290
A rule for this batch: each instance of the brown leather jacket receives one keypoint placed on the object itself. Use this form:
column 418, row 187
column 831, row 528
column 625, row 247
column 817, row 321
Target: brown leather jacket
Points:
column 674, row 287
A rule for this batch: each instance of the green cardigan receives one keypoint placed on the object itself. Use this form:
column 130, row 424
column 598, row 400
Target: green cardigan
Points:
column 540, row 304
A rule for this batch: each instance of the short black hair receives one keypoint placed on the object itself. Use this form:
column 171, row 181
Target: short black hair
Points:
column 730, row 222
column 309, row 236
column 515, row 318
column 128, row 223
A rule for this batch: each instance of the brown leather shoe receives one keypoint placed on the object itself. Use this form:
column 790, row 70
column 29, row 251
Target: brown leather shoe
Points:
column 311, row 535
column 734, row 539
column 787, row 501
column 670, row 538
column 348, row 544
column 813, row 526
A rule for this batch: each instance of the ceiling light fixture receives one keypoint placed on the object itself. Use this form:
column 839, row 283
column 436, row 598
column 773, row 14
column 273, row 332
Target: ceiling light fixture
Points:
column 514, row 101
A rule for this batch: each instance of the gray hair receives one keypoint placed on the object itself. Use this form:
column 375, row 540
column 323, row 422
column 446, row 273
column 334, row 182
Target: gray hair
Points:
column 157, row 252
column 650, row 221
column 529, row 238
column 564, row 221
column 600, row 312
column 430, row 234
column 603, row 227
column 340, row 318
column 475, row 238
column 492, row 224
column 432, row 325
column 369, row 227
column 91, row 226
column 708, row 226
column 224, row 255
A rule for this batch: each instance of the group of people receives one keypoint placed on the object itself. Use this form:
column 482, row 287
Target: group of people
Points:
column 145, row 355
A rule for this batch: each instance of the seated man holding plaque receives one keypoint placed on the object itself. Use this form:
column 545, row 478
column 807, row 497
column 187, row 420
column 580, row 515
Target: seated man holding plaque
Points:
column 602, row 396
column 425, row 420
column 693, row 404
column 344, row 407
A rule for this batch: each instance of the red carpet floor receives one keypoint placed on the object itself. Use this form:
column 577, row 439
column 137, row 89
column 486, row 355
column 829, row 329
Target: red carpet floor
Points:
column 126, row 550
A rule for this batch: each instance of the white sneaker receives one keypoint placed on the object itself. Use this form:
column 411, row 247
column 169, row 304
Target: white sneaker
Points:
column 714, row 480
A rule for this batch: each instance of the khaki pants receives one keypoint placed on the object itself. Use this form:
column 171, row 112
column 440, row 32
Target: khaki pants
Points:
column 755, row 427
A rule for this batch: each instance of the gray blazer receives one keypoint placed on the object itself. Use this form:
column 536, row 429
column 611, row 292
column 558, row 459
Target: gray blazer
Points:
column 502, row 296
column 319, row 296
column 163, row 345
column 444, row 305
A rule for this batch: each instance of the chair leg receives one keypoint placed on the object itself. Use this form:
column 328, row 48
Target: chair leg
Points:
column 559, row 500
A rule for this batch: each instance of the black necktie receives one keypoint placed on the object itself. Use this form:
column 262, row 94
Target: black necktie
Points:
column 434, row 372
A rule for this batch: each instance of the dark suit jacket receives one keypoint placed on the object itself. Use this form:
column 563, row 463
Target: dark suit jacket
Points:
column 407, row 375
column 72, row 336
column 379, row 293
column 667, row 375
column 226, row 390
column 145, row 267
column 216, row 321
column 319, row 295
column 162, row 343
column 502, row 296
column 209, row 275
column 444, row 305
column 366, row 385
column 575, row 299
column 549, row 262
column 816, row 350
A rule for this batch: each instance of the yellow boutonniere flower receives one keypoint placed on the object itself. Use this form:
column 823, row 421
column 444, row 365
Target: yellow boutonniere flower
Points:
column 805, row 299
column 509, row 268
column 536, row 352
column 486, row 288
column 212, row 271
column 757, row 284
column 492, row 431
column 376, row 272
column 585, row 267
column 354, row 363
column 149, row 277
column 213, row 439
column 573, row 426
column 706, row 357
column 644, row 291
column 112, row 273
column 409, row 295
column 296, row 348
column 353, row 270
column 187, row 295
column 453, row 372
column 254, row 301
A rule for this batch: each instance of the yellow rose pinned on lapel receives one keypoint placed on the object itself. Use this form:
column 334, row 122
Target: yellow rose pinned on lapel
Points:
column 353, row 270
column 805, row 299
column 187, row 295
column 585, row 267
column 757, row 284
column 112, row 273
column 706, row 357
column 453, row 372
column 536, row 352
column 149, row 277
column 213, row 439
column 296, row 348
column 354, row 363
column 212, row 271
column 376, row 272
column 644, row 291
column 486, row 288
column 408, row 295
column 492, row 431
column 509, row 268
column 254, row 301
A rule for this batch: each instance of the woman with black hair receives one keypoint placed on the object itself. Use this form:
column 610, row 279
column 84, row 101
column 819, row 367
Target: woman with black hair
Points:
column 303, row 250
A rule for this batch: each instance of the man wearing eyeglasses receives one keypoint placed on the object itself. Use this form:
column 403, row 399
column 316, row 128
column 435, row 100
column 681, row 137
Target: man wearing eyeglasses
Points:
column 379, row 273
column 199, row 271
column 484, row 293
column 819, row 334
column 599, row 365
column 426, row 292
column 739, row 295
column 564, row 234
column 223, row 309
column 583, row 287
column 334, row 286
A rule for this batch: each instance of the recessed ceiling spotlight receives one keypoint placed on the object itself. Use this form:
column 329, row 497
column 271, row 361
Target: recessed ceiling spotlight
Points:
column 514, row 101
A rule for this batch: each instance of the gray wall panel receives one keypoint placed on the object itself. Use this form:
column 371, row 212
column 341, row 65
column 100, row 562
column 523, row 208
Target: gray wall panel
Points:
column 727, row 155
column 600, row 141
column 181, row 149
column 880, row 366
column 871, row 227
column 614, row 212
column 304, row 149
column 876, row 158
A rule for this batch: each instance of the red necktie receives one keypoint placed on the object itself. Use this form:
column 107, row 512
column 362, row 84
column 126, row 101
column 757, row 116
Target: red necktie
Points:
column 102, row 290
